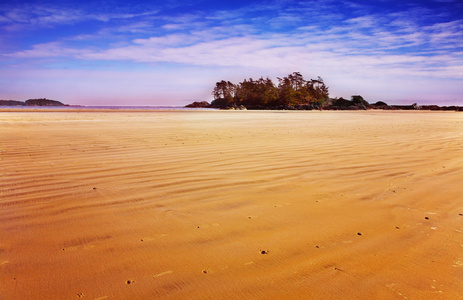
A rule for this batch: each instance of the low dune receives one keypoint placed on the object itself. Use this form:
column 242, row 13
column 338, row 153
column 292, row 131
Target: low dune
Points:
column 231, row 205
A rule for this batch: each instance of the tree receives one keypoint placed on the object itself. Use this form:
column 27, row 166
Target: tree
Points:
column 224, row 92
column 318, row 90
column 357, row 99
column 291, row 90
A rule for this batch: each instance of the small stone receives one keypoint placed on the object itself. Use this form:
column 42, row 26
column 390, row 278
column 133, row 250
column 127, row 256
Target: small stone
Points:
column 94, row 188
column 397, row 227
column 263, row 252
column 359, row 233
column 427, row 218
column 129, row 281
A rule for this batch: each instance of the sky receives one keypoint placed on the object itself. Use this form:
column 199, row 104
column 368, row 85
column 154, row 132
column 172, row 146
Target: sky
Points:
column 172, row 52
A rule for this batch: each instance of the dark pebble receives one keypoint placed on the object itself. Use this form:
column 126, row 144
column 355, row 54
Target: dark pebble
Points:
column 359, row 233
column 264, row 252
column 427, row 218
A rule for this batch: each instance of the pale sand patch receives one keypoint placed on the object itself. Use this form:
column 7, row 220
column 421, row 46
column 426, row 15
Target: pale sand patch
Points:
column 219, row 204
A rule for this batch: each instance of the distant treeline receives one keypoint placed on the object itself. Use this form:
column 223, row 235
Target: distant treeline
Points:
column 31, row 102
column 291, row 90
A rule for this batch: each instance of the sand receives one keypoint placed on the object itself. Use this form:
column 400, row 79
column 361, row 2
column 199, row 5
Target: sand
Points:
column 231, row 205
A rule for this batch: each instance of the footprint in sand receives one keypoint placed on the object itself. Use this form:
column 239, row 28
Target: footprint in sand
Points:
column 204, row 226
column 73, row 248
column 458, row 264
column 282, row 204
column 162, row 274
column 147, row 239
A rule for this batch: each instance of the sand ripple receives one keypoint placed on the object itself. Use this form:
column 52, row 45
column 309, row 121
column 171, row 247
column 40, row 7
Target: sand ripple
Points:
column 219, row 204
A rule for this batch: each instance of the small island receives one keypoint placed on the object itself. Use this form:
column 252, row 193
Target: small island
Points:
column 293, row 92
column 32, row 102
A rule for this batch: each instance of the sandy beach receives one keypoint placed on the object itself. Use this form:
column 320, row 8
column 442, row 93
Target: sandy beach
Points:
column 231, row 205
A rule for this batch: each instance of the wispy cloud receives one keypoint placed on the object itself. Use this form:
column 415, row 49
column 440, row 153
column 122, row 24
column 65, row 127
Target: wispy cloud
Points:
column 361, row 41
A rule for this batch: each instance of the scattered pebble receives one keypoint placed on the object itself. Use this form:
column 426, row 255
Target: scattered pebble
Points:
column 317, row 246
column 427, row 218
column 461, row 214
column 94, row 188
column 205, row 271
column 264, row 252
column 359, row 233
column 80, row 295
column 129, row 281
column 397, row 227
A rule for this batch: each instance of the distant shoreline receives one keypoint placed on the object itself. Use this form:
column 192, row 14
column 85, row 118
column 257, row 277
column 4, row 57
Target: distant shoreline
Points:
column 72, row 109
column 334, row 104
column 78, row 108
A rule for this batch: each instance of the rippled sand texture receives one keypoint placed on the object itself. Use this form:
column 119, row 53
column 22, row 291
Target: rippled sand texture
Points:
column 220, row 204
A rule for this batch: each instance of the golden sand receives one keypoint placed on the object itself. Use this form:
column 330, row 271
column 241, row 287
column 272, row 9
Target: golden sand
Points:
column 231, row 205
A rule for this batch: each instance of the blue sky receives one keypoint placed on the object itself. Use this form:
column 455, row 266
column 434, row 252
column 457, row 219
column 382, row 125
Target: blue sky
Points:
column 172, row 52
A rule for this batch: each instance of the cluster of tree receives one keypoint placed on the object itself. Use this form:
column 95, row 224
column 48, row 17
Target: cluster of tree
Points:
column 263, row 93
column 31, row 102
column 43, row 102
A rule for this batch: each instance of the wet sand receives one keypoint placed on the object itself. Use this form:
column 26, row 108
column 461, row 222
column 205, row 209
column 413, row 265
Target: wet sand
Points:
column 231, row 205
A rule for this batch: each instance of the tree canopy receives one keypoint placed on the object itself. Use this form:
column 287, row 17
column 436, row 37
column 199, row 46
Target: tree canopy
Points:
column 291, row 90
